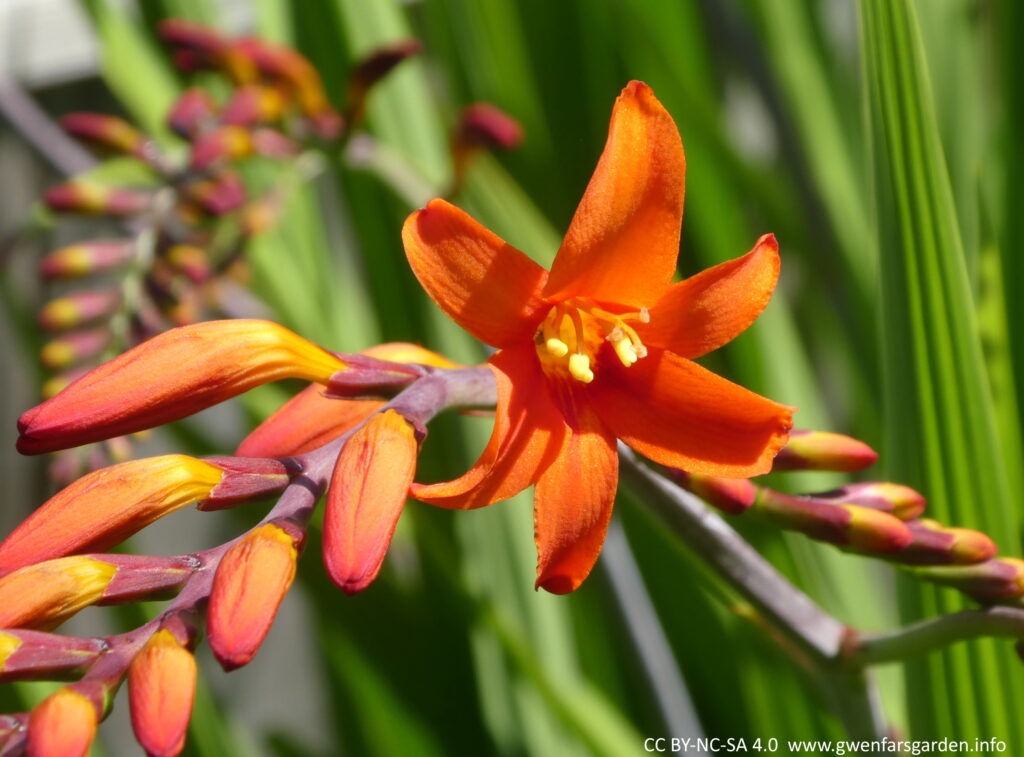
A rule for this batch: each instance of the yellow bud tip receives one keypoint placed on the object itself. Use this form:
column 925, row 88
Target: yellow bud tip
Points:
column 579, row 367
column 556, row 347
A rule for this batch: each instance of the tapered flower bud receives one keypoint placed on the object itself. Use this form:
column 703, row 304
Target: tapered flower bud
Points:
column 252, row 580
column 732, row 495
column 74, row 348
column 85, row 258
column 271, row 143
column 193, row 109
column 39, row 656
column 991, row 581
column 95, row 199
column 62, row 725
column 107, row 506
column 161, row 687
column 78, row 308
column 189, row 260
column 875, row 532
column 104, row 132
column 895, row 499
column 171, row 376
column 935, row 544
column 823, row 450
column 219, row 195
column 365, row 500
column 484, row 125
column 223, row 144
column 254, row 104
column 45, row 595
column 372, row 69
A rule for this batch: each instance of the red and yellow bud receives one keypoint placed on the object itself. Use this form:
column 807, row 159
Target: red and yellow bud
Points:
column 895, row 499
column 365, row 500
column 78, row 308
column 171, row 376
column 104, row 132
column 191, row 111
column 44, row 595
column 875, row 532
column 85, row 258
column 372, row 69
column 935, row 544
column 823, row 450
column 107, row 506
column 39, row 656
column 218, row 195
column 731, row 495
column 95, row 199
column 271, row 143
column 1001, row 578
column 161, row 688
column 484, row 125
column 251, row 581
column 224, row 144
column 254, row 104
column 189, row 260
column 74, row 348
column 62, row 725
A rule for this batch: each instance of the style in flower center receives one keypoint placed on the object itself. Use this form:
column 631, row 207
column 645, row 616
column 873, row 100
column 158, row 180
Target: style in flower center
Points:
column 571, row 334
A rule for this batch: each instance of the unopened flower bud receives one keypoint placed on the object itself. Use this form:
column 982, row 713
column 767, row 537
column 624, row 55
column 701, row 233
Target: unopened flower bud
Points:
column 991, row 581
column 372, row 69
column 189, row 260
column 731, row 495
column 251, row 581
column 224, row 144
column 171, row 376
column 219, row 195
column 38, row 656
column 161, row 688
column 271, row 143
column 895, row 499
column 365, row 500
column 481, row 126
column 85, row 258
column 105, row 507
column 74, row 348
column 823, row 450
column 193, row 109
column 105, row 132
column 91, row 198
column 875, row 532
column 44, row 595
column 254, row 104
column 62, row 725
column 935, row 544
column 78, row 308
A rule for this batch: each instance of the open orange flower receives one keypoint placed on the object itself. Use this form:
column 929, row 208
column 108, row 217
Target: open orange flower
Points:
column 600, row 347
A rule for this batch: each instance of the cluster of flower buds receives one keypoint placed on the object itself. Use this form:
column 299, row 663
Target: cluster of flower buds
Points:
column 354, row 433
column 882, row 520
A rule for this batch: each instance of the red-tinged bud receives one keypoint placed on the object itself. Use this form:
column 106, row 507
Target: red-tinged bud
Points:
column 78, row 308
column 895, row 499
column 95, row 199
column 85, row 258
column 192, row 36
column 935, row 544
column 366, row 376
column 105, row 132
column 161, row 688
column 372, row 69
column 367, row 494
column 250, row 584
column 107, row 506
column 189, row 260
column 875, row 532
column 39, row 656
column 731, row 495
column 219, row 195
column 171, row 376
column 46, row 594
column 74, row 348
column 224, row 144
column 254, row 104
column 62, row 725
column 823, row 450
column 273, row 144
column 484, row 125
column 991, row 581
column 247, row 478
column 191, row 112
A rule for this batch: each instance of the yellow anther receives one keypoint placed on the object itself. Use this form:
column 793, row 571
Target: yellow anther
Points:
column 644, row 315
column 625, row 350
column 579, row 368
column 556, row 347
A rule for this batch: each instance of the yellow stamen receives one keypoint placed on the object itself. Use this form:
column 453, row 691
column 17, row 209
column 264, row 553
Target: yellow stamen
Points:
column 624, row 349
column 579, row 367
column 556, row 347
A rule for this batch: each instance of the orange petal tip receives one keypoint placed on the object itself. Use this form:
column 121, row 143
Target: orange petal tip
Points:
column 161, row 685
column 62, row 725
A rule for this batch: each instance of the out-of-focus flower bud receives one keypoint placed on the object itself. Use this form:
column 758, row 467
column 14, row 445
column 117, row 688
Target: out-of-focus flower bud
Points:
column 371, row 70
column 193, row 109
column 95, row 199
column 218, row 195
column 365, row 500
column 252, row 580
column 161, row 688
column 254, row 104
column 224, row 144
column 74, row 348
column 189, row 260
column 205, row 47
column 991, row 581
column 823, row 450
column 39, row 656
column 732, row 495
column 895, row 499
column 62, row 725
column 105, row 132
column 171, row 376
column 935, row 544
column 78, row 308
column 44, row 595
column 107, row 506
column 481, row 126
column 273, row 144
column 247, row 478
column 85, row 258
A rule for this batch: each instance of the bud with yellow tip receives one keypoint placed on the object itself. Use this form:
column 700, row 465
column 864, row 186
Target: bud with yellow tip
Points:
column 161, row 689
column 85, row 258
column 824, row 450
column 44, row 595
column 62, row 725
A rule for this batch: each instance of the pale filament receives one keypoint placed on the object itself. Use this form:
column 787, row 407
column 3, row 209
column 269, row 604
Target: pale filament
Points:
column 563, row 336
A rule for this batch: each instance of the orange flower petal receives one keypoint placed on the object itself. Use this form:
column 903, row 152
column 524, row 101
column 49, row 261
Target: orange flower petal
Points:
column 624, row 239
column 573, row 504
column 171, row 376
column 484, row 284
column 527, row 435
column 684, row 416
column 162, row 686
column 366, row 497
column 250, row 584
column 107, row 506
column 715, row 306
column 62, row 725
column 43, row 596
